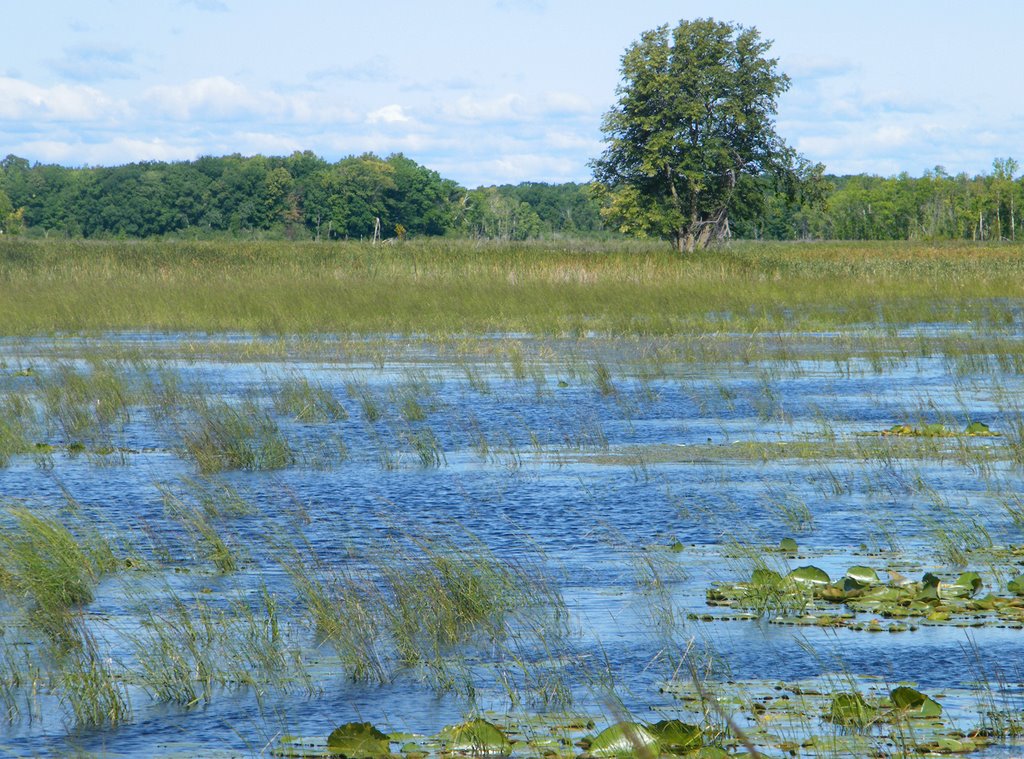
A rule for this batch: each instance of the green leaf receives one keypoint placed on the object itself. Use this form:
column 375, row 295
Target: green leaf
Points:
column 763, row 577
column 359, row 740
column 477, row 737
column 809, row 575
column 971, row 581
column 913, row 701
column 863, row 575
column 677, row 737
column 851, row 709
column 625, row 739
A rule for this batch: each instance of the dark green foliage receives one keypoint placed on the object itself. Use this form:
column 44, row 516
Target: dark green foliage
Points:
column 695, row 114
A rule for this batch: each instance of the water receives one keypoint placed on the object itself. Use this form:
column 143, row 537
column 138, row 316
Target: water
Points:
column 591, row 484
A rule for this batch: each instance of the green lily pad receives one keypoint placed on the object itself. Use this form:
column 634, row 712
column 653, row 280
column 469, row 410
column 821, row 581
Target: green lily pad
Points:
column 359, row 740
column 765, row 577
column 625, row 739
column 914, row 702
column 809, row 575
column 978, row 429
column 677, row 737
column 788, row 545
column 1016, row 586
column 863, row 575
column 970, row 580
column 477, row 737
column 851, row 709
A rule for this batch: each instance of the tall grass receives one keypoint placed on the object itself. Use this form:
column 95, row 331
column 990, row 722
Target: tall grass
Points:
column 447, row 286
column 421, row 604
column 225, row 437
column 44, row 564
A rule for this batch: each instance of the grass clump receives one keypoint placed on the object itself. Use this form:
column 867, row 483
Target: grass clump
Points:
column 226, row 437
column 308, row 402
column 86, row 406
column 423, row 604
column 16, row 417
column 43, row 563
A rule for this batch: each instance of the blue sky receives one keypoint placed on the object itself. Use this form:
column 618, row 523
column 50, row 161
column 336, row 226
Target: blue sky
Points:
column 487, row 91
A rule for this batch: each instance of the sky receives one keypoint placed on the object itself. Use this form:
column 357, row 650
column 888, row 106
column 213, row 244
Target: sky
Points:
column 488, row 91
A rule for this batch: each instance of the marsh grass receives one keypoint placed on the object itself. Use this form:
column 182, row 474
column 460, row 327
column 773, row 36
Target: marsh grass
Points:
column 308, row 402
column 17, row 420
column 451, row 286
column 199, row 524
column 225, row 437
column 371, row 405
column 425, row 604
column 43, row 563
column 86, row 406
column 89, row 684
column 185, row 649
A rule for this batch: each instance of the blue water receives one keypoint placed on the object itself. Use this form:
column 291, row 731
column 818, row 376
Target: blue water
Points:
column 559, row 485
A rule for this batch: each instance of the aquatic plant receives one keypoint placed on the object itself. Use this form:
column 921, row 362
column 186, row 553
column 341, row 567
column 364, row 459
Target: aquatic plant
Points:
column 225, row 437
column 43, row 563
column 307, row 402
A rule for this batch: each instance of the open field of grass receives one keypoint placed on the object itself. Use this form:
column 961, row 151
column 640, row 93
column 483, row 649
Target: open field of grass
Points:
column 446, row 287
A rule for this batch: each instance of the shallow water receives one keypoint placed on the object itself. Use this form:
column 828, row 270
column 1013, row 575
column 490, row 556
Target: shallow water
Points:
column 551, row 467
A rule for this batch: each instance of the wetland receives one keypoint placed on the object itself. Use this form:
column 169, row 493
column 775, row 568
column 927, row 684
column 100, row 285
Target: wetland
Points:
column 767, row 500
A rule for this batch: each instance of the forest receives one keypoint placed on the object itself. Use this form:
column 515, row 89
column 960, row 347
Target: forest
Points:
column 303, row 196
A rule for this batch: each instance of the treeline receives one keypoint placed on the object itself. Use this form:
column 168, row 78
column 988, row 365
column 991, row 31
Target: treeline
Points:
column 936, row 206
column 302, row 196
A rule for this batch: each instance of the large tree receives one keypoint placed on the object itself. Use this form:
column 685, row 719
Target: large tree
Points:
column 696, row 110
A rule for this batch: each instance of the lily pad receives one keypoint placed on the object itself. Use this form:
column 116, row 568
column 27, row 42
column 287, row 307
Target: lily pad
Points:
column 809, row 575
column 677, row 737
column 788, row 545
column 851, row 709
column 477, row 737
column 1016, row 586
column 765, row 577
column 863, row 575
column 966, row 585
column 625, row 739
column 914, row 702
column 359, row 740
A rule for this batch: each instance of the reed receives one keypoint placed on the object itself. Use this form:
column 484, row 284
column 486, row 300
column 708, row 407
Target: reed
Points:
column 225, row 437
column 44, row 564
column 450, row 286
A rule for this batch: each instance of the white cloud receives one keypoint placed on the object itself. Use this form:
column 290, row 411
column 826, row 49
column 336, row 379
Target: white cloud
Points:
column 219, row 99
column 818, row 67
column 214, row 97
column 389, row 114
column 469, row 108
column 21, row 100
column 116, row 150
column 565, row 103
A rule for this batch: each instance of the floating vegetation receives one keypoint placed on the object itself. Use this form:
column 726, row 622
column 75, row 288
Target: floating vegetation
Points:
column 807, row 596
column 974, row 429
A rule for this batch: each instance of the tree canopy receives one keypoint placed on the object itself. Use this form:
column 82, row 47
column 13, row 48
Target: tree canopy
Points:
column 695, row 115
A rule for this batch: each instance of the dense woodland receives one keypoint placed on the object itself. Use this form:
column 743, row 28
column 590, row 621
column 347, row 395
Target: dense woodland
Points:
column 303, row 196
